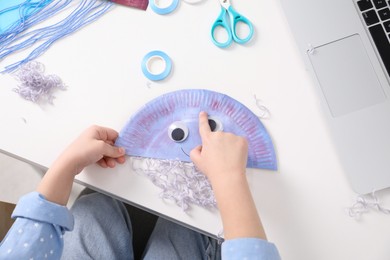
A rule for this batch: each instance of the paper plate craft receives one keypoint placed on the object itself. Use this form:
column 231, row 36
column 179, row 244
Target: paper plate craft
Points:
column 167, row 127
column 160, row 136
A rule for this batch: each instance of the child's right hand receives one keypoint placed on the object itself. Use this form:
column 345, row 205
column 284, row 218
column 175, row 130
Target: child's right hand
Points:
column 221, row 155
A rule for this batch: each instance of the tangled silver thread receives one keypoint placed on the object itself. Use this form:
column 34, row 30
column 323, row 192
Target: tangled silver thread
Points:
column 365, row 203
column 264, row 112
column 180, row 181
column 34, row 85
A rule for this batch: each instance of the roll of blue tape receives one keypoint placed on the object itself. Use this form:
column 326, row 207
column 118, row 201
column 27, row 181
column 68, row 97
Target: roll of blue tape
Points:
column 145, row 65
column 165, row 10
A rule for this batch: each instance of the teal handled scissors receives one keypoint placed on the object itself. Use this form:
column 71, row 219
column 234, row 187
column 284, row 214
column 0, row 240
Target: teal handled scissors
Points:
column 229, row 24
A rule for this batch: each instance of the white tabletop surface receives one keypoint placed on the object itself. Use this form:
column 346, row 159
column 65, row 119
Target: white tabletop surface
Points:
column 302, row 205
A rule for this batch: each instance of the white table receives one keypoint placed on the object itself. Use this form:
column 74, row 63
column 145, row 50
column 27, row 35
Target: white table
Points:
column 302, row 205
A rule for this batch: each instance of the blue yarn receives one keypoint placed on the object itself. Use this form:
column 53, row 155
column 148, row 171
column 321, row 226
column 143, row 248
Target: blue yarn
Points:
column 26, row 10
column 16, row 38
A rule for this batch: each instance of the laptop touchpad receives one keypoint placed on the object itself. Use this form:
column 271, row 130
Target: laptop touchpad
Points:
column 346, row 76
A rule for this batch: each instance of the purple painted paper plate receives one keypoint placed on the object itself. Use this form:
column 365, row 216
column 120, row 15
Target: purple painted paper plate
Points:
column 167, row 127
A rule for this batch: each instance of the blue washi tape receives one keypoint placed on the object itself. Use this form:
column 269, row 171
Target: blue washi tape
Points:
column 145, row 65
column 165, row 10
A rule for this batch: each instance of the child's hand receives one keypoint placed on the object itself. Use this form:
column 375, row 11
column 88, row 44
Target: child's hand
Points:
column 221, row 155
column 94, row 145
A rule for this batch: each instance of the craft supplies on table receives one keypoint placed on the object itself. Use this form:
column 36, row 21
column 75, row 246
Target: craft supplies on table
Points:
column 164, row 10
column 228, row 19
column 140, row 4
column 149, row 57
column 25, row 32
column 34, row 85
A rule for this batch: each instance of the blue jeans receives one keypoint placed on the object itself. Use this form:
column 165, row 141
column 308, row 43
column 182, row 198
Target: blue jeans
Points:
column 103, row 231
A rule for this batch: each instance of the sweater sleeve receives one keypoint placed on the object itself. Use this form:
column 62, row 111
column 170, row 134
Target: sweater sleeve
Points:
column 249, row 248
column 38, row 229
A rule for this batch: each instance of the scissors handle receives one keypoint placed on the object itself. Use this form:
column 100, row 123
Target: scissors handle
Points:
column 222, row 22
column 235, row 18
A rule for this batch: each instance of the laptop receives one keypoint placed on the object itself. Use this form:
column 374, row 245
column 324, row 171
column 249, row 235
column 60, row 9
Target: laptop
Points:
column 346, row 48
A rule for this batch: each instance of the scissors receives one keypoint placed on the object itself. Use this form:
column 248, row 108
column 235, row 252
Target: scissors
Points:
column 229, row 24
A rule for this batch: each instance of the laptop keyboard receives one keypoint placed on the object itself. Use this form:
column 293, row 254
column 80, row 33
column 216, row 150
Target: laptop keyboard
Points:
column 376, row 14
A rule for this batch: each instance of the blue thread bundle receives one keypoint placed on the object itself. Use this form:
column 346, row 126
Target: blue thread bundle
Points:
column 18, row 36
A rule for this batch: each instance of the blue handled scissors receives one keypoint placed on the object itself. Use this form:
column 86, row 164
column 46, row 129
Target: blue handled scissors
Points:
column 229, row 24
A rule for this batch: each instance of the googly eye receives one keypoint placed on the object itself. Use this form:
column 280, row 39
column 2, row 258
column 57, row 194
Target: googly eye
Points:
column 215, row 124
column 178, row 131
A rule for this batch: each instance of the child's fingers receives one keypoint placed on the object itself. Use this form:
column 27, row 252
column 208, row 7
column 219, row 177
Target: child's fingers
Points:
column 112, row 135
column 105, row 133
column 204, row 127
column 102, row 163
column 195, row 154
column 111, row 162
column 112, row 151
column 107, row 162
column 121, row 160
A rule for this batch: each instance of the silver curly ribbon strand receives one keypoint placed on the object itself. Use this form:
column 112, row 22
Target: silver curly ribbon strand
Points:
column 365, row 203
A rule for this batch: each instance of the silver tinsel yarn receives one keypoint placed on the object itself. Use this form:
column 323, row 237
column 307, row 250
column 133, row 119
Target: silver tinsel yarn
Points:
column 180, row 181
column 34, row 85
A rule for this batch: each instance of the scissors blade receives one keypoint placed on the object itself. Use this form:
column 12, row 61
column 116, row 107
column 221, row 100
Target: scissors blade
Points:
column 225, row 3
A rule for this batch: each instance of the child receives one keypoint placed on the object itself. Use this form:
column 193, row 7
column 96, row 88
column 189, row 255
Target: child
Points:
column 103, row 229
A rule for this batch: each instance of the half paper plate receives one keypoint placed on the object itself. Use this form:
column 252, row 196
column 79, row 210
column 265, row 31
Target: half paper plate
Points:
column 167, row 127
